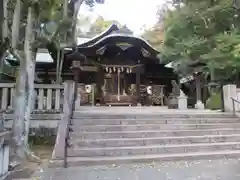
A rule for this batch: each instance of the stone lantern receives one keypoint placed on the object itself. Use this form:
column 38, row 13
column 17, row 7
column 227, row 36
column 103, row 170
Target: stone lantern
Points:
column 197, row 74
column 76, row 58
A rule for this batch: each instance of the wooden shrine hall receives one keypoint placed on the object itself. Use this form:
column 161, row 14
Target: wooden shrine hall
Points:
column 113, row 68
column 122, row 67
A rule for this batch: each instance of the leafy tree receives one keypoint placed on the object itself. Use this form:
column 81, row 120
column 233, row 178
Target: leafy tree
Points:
column 101, row 25
column 27, row 26
column 155, row 35
column 206, row 31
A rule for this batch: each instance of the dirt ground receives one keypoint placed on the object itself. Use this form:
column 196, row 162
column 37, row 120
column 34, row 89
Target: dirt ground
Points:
column 28, row 168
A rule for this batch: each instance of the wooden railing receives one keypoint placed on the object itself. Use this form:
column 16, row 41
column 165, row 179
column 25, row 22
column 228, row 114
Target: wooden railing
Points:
column 46, row 97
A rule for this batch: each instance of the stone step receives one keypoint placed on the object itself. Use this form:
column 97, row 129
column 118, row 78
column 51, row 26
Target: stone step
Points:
column 148, row 116
column 120, row 142
column 152, row 133
column 152, row 149
column 154, row 121
column 83, row 161
column 109, row 128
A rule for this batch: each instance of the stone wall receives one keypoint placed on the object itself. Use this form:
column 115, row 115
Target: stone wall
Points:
column 42, row 126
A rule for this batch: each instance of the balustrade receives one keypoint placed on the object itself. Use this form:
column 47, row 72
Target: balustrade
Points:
column 46, row 96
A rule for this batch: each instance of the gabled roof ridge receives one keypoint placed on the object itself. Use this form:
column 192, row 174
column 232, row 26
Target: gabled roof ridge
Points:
column 96, row 38
column 97, row 43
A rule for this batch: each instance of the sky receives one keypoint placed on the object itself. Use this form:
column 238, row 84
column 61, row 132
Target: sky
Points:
column 134, row 13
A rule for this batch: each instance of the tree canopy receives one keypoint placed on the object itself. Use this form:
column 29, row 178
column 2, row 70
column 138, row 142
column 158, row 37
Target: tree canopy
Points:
column 92, row 27
column 205, row 31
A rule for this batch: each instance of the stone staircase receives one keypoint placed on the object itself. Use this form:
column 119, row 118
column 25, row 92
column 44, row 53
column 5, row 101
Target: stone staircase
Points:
column 120, row 135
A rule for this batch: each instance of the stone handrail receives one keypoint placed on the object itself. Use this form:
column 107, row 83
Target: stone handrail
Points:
column 234, row 101
column 4, row 152
column 60, row 149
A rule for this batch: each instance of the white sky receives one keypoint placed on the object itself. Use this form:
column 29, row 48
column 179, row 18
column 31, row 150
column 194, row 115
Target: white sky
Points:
column 134, row 13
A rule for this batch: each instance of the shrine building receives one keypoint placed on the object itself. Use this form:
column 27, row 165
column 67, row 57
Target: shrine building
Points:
column 120, row 68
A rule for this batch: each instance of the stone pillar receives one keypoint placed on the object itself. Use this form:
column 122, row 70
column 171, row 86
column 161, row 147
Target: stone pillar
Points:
column 229, row 91
column 138, row 82
column 76, row 72
column 182, row 101
column 199, row 104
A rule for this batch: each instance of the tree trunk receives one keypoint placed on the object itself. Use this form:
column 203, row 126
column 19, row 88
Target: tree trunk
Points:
column 24, row 92
column 19, row 113
column 1, row 20
column 77, row 6
column 5, row 20
column 29, row 72
column 16, row 24
column 3, row 27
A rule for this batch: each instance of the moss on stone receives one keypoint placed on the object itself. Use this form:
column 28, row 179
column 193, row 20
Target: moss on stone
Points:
column 214, row 101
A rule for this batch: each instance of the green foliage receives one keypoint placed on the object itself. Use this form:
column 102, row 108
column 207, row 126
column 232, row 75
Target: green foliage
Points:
column 100, row 25
column 214, row 102
column 41, row 140
column 207, row 31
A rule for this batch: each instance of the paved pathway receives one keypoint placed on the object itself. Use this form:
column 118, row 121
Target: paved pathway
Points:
column 182, row 170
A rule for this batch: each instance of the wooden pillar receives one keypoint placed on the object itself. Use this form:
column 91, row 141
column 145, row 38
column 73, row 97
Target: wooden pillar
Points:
column 138, row 81
column 118, row 84
column 125, row 85
column 99, row 84
column 76, row 65
column 115, row 83
column 104, row 87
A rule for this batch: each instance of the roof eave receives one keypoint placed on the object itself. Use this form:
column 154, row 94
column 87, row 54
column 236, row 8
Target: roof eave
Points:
column 95, row 39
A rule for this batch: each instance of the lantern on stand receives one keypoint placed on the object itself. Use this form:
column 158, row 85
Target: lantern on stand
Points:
column 76, row 59
column 197, row 74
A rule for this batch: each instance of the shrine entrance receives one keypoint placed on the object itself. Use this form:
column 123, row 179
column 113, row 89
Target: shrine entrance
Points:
column 116, row 88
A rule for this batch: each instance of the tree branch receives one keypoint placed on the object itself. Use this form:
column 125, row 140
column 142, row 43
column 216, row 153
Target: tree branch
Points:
column 77, row 6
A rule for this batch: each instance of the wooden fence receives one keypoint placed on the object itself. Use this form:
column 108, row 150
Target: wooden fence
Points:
column 46, row 96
